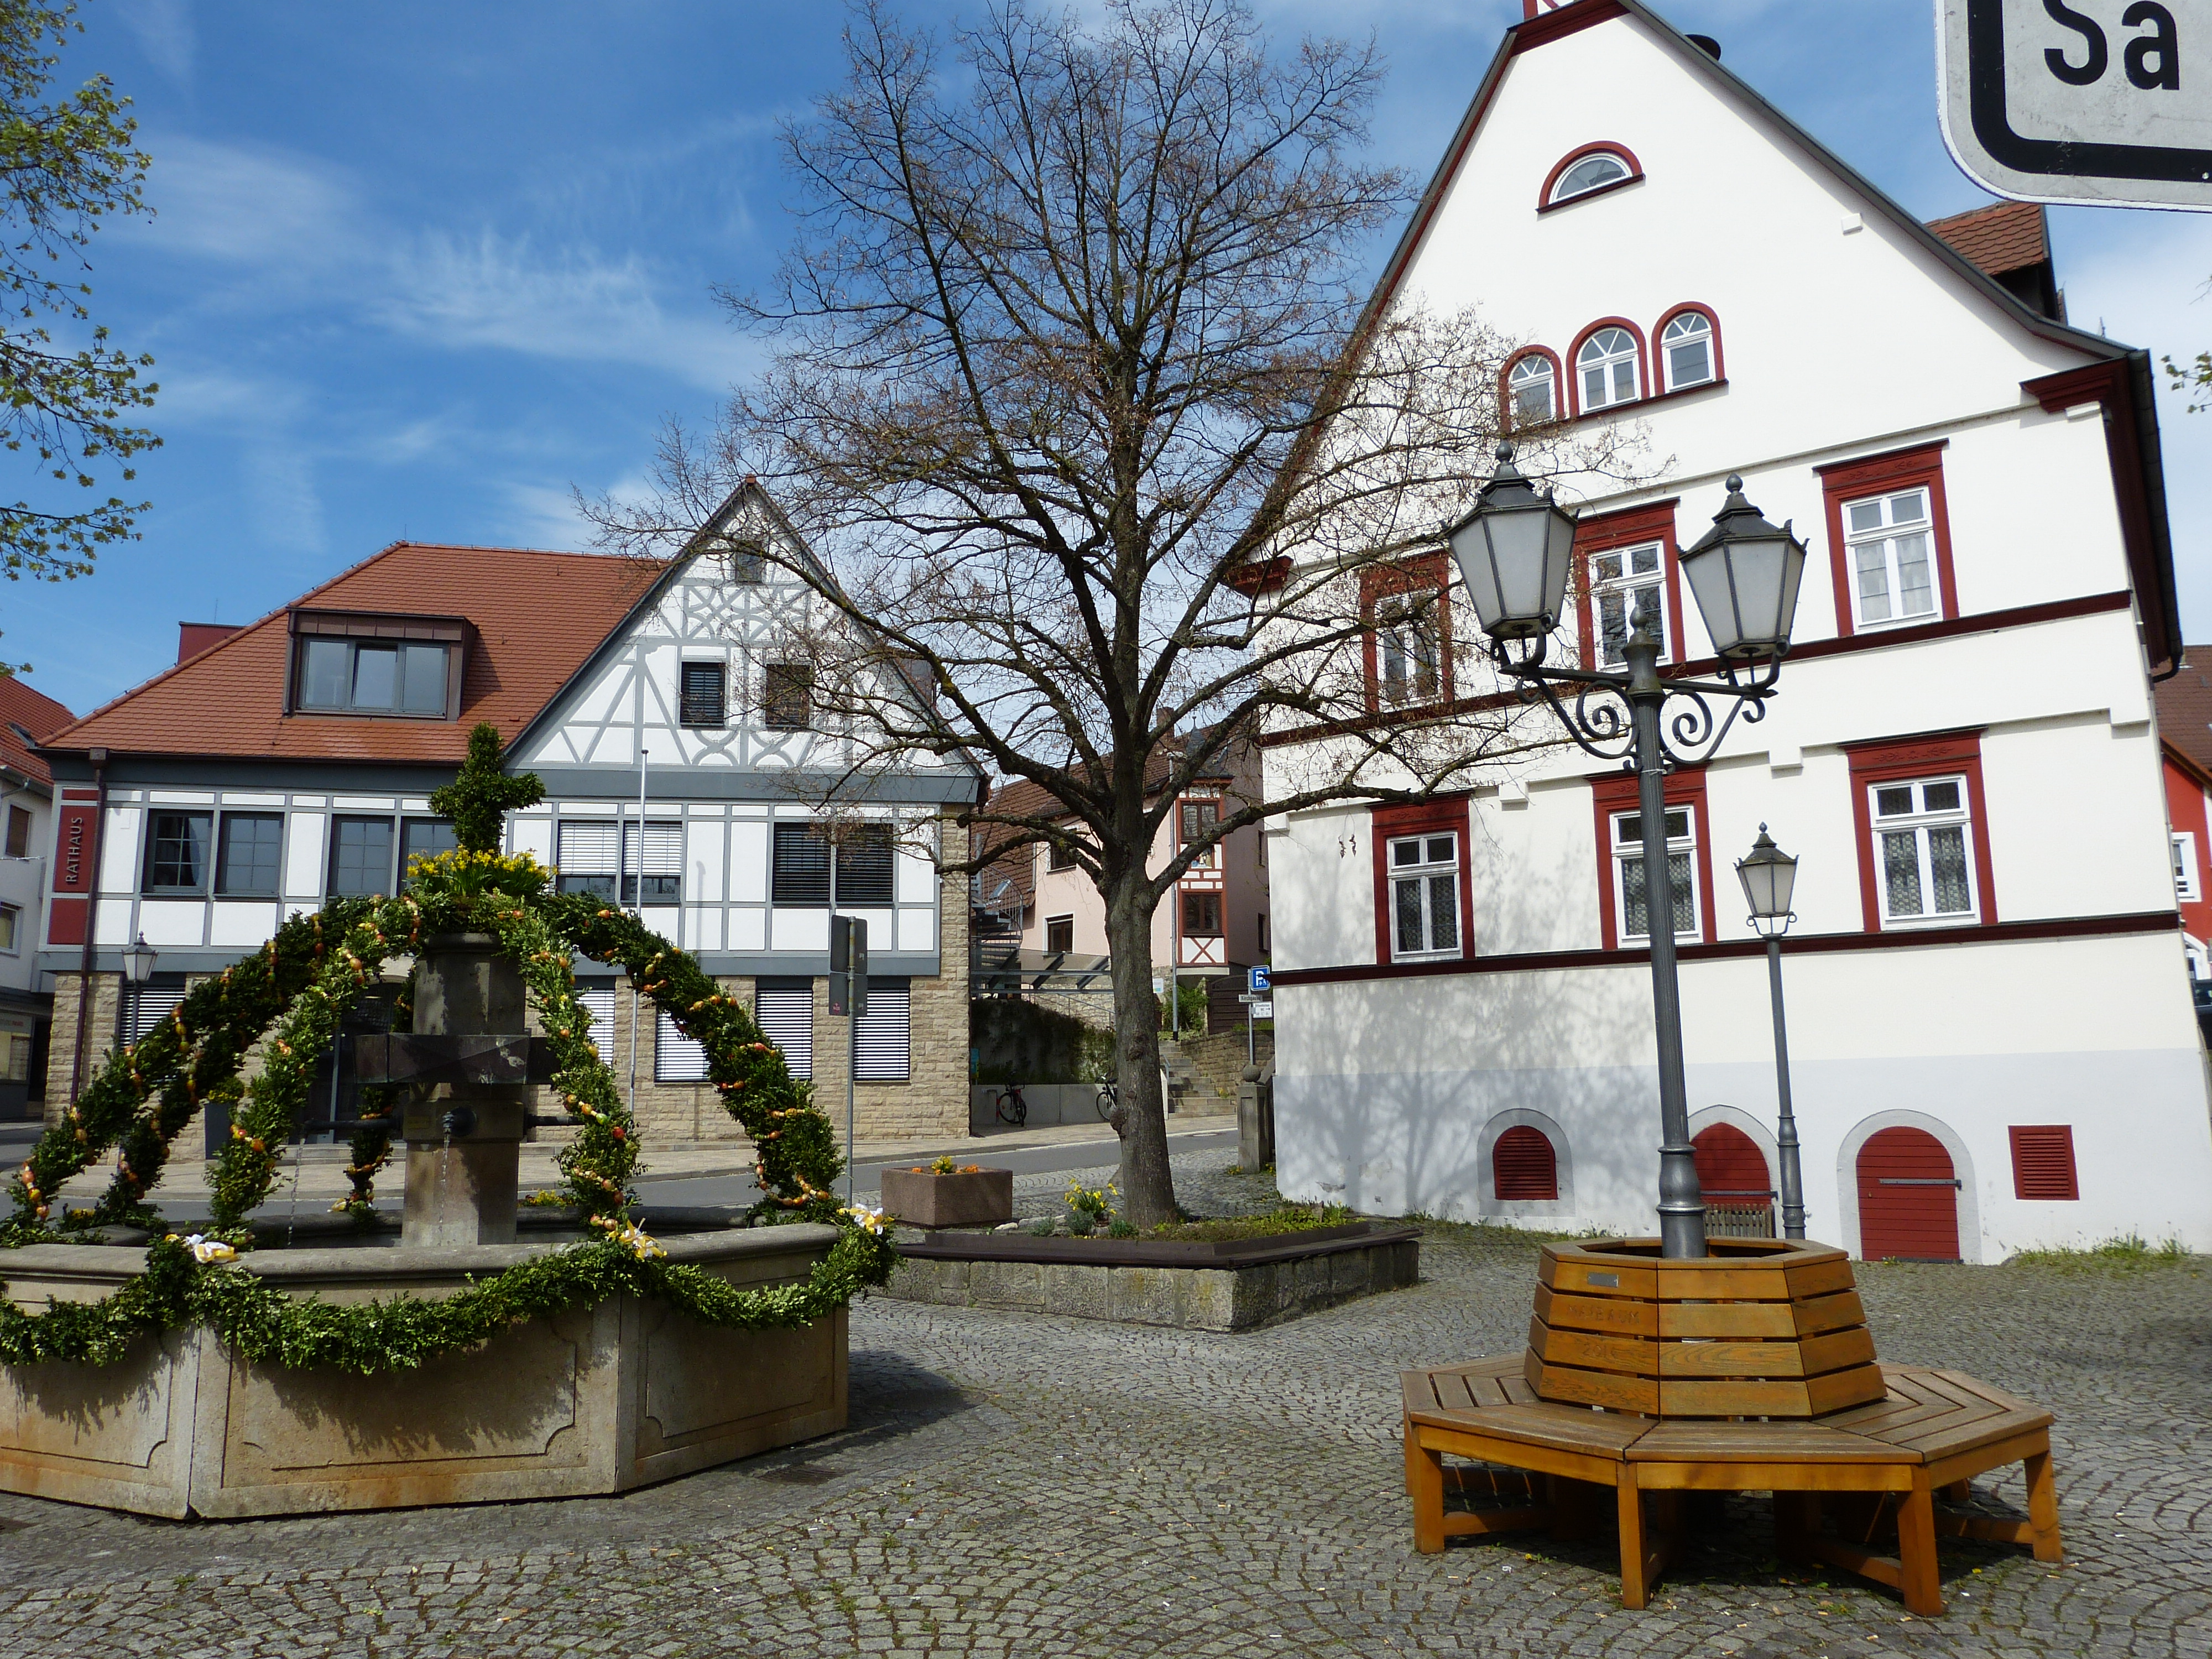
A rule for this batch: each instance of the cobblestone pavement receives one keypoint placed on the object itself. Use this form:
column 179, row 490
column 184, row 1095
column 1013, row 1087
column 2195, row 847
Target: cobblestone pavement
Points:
column 1015, row 1485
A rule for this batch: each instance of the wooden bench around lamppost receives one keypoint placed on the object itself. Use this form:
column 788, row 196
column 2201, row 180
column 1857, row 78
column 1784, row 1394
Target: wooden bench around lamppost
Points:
column 1926, row 1434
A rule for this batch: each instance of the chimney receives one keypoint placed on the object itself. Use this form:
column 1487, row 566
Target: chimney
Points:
column 192, row 638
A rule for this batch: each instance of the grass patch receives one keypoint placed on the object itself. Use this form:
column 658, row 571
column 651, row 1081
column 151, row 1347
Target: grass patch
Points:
column 1288, row 1218
column 2128, row 1253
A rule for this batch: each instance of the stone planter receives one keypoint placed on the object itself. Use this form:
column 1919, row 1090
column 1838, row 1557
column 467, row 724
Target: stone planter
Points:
column 922, row 1197
column 597, row 1400
column 1214, row 1287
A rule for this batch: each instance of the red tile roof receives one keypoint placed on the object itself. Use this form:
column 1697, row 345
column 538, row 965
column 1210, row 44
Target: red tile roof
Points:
column 37, row 714
column 2184, row 706
column 2006, row 237
column 537, row 616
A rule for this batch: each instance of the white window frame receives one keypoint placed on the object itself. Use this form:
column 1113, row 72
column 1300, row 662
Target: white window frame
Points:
column 1685, row 328
column 1531, row 370
column 1625, row 584
column 1408, row 640
column 1607, row 366
column 1919, row 822
column 1881, row 541
column 1563, row 191
column 2200, row 960
column 2186, row 887
column 1051, row 922
column 1423, row 876
column 1628, row 849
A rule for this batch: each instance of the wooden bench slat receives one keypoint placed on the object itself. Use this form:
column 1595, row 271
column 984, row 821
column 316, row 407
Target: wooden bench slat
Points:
column 1748, row 1322
column 1615, row 1316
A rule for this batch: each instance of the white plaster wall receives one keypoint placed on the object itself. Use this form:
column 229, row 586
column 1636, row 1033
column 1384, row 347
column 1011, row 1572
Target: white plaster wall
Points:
column 1321, row 884
column 1384, row 1088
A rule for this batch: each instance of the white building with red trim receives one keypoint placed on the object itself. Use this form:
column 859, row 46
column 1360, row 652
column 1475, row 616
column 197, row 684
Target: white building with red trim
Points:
column 1991, row 1019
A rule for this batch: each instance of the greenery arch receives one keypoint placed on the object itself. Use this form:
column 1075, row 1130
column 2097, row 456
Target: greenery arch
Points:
column 290, row 995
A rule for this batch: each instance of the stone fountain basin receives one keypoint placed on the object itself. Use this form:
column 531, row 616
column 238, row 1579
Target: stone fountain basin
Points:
column 596, row 1400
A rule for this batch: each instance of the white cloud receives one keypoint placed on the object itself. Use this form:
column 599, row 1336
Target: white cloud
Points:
column 304, row 235
column 489, row 291
column 164, row 31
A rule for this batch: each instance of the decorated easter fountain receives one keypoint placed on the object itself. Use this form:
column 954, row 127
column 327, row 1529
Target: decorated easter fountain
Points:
column 219, row 1373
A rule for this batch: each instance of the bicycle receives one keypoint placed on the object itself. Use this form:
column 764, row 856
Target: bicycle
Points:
column 1010, row 1105
column 1109, row 1097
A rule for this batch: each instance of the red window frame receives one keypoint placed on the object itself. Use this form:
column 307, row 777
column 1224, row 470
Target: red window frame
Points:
column 1600, row 533
column 1617, row 793
column 1644, row 394
column 1892, row 760
column 1876, row 475
column 1545, row 204
column 2042, row 1168
column 1659, row 352
column 1429, row 818
column 1505, row 383
column 1424, row 572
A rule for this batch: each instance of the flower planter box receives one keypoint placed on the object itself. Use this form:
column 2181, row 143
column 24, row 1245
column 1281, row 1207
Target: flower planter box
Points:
column 1231, row 1286
column 922, row 1197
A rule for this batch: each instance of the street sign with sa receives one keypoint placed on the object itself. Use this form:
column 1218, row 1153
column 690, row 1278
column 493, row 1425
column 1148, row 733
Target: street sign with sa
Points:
column 2101, row 101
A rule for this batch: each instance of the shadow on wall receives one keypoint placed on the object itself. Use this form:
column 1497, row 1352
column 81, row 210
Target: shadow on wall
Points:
column 1014, row 1041
column 1384, row 1112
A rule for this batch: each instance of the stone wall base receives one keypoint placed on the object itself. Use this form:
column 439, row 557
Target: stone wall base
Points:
column 1225, row 1298
column 593, row 1400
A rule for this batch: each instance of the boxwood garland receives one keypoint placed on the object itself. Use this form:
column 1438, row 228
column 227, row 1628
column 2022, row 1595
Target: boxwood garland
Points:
column 145, row 1095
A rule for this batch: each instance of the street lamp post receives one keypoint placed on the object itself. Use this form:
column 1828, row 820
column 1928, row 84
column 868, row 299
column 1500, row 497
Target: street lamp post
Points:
column 138, row 961
column 1768, row 874
column 1516, row 551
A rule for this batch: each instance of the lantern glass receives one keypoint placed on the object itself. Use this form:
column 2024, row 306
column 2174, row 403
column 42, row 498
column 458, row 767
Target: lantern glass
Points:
column 1514, row 551
column 1745, row 574
column 1769, row 876
column 138, row 961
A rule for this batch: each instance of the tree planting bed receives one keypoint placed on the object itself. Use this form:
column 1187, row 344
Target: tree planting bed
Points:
column 1216, row 1285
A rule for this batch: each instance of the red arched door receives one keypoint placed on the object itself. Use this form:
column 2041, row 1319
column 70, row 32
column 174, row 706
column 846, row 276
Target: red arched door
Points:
column 1733, row 1176
column 1908, row 1198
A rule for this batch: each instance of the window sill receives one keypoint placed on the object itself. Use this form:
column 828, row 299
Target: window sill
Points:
column 1613, row 412
column 1590, row 195
column 1892, row 625
column 439, row 718
column 1927, row 924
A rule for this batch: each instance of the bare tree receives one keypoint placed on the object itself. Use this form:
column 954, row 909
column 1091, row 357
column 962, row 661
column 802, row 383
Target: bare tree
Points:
column 1071, row 363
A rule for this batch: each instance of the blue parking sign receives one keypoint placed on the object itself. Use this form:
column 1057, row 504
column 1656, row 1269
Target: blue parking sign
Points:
column 1256, row 980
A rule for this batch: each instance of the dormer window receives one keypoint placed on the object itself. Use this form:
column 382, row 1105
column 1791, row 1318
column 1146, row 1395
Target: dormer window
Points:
column 406, row 667
column 1588, row 172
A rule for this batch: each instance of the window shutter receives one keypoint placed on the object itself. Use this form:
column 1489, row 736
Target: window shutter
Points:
column 882, row 1037
column 147, row 1007
column 597, row 999
column 587, row 848
column 2043, row 1161
column 801, row 875
column 676, row 1057
column 1523, row 1166
column 864, row 867
column 784, row 1010
column 664, row 849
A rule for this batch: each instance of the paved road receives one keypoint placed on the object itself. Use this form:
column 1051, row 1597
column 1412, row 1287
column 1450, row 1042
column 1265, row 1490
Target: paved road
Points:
column 1020, row 1484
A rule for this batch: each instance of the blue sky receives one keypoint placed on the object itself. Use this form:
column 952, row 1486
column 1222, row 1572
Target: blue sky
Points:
column 418, row 269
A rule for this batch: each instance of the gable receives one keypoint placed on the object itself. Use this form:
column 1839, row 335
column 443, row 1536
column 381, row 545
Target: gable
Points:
column 1835, row 308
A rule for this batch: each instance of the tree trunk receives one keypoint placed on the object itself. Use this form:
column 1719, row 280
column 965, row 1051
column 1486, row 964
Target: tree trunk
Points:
column 1147, row 1183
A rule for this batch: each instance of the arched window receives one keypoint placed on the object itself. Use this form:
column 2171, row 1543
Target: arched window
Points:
column 1607, row 364
column 1685, row 346
column 1522, row 1166
column 1532, row 389
column 1592, row 171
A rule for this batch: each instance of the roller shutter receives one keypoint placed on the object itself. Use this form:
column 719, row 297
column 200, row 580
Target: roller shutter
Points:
column 784, row 1009
column 882, row 1037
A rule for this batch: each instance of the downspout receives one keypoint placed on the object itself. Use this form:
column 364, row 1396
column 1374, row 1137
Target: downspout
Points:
column 99, row 758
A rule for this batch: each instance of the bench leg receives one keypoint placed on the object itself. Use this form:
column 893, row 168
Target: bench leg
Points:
column 1424, row 1485
column 1919, row 1580
column 2042, row 1505
column 1796, row 1518
column 1635, row 1549
column 1959, row 1491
